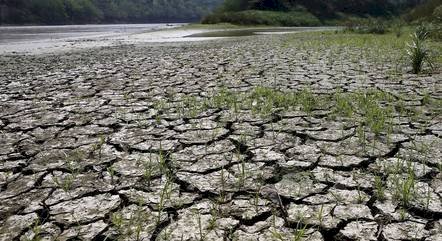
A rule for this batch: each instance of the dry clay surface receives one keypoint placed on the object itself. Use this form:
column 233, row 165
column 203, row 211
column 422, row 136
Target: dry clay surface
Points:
column 105, row 145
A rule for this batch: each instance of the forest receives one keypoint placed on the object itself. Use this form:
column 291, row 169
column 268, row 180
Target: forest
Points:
column 318, row 12
column 254, row 12
column 103, row 11
column 327, row 8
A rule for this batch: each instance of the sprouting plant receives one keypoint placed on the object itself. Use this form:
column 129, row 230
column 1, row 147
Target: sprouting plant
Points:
column 299, row 232
column 117, row 221
column 320, row 215
column 426, row 99
column 360, row 132
column 162, row 160
column 379, row 188
column 200, row 226
column 164, row 196
column 65, row 183
column 360, row 195
column 242, row 171
column 148, row 171
column 277, row 235
column 405, row 189
column 112, row 173
column 428, row 197
column 214, row 216
column 223, row 186
column 343, row 105
column 418, row 52
column 402, row 214
column 36, row 232
column 307, row 100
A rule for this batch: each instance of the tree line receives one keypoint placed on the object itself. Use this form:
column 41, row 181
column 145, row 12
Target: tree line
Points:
column 325, row 9
column 102, row 11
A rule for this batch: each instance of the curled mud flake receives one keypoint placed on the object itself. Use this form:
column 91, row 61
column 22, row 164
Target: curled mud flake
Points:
column 139, row 164
column 405, row 231
column 245, row 129
column 73, row 185
column 201, row 137
column 160, row 192
column 298, row 185
column 245, row 208
column 339, row 196
column 8, row 176
column 208, row 162
column 203, row 124
column 250, row 176
column 341, row 161
column 196, row 224
column 273, row 229
column 436, row 184
column 216, row 182
column 83, row 232
column 360, row 230
column 267, row 155
column 130, row 137
column 273, row 140
column 330, row 134
column 44, row 232
column 356, row 146
column 14, row 225
column 425, row 149
column 42, row 119
column 193, row 153
column 134, row 223
column 308, row 153
column 12, row 161
column 21, row 185
column 353, row 179
column 89, row 130
column 352, row 211
column 48, row 159
column 436, row 231
column 84, row 209
column 291, row 124
column 400, row 166
column 409, row 192
column 318, row 215
column 156, row 144
column 27, row 202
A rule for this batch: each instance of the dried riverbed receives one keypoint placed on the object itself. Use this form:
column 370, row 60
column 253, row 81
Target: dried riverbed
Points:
column 289, row 137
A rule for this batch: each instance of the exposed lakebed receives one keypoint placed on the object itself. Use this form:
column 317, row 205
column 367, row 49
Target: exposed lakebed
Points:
column 293, row 138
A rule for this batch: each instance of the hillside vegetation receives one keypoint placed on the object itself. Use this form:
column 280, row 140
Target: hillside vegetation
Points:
column 103, row 11
column 314, row 12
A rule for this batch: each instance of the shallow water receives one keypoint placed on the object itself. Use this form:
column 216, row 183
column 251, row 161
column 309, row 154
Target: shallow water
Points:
column 16, row 34
column 254, row 31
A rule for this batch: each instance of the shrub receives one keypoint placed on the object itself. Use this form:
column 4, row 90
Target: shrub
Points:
column 258, row 17
column 370, row 26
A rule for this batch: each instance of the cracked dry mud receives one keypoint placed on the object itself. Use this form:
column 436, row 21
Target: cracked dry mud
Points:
column 105, row 145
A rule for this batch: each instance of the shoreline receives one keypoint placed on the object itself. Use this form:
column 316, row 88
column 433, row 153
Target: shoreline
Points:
column 161, row 34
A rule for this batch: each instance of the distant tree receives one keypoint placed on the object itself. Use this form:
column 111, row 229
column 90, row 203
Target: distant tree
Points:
column 236, row 5
column 48, row 11
column 82, row 11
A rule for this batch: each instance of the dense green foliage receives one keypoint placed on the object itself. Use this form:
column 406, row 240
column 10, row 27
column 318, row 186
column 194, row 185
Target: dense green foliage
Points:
column 322, row 10
column 100, row 11
column 259, row 17
column 430, row 10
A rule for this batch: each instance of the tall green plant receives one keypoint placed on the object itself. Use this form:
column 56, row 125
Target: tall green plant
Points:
column 418, row 52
